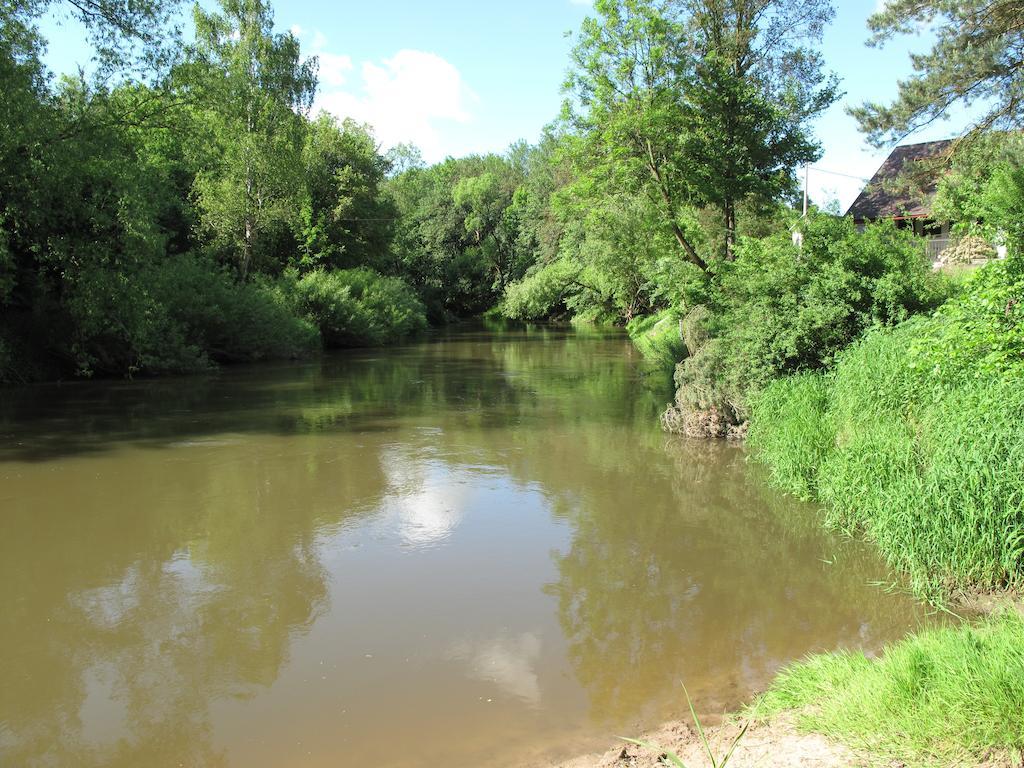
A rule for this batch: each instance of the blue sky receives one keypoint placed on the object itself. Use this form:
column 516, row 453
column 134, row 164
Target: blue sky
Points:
column 463, row 76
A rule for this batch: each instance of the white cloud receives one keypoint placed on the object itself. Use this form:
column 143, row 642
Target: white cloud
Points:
column 406, row 98
column 333, row 69
column 508, row 662
column 296, row 30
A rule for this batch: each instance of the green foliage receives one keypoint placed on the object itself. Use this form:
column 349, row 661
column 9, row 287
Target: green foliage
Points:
column 198, row 314
column 980, row 333
column 542, row 293
column 976, row 57
column 179, row 317
column 778, row 310
column 983, row 190
column 253, row 88
column 356, row 307
column 941, row 697
column 657, row 337
column 915, row 440
column 347, row 218
column 697, row 105
column 460, row 237
column 121, row 208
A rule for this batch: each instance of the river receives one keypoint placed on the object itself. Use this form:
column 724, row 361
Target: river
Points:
column 473, row 550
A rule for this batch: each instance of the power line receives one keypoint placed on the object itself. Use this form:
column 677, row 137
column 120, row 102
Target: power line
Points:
column 837, row 173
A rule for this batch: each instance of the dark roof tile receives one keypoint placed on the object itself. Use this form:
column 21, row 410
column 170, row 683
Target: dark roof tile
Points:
column 885, row 198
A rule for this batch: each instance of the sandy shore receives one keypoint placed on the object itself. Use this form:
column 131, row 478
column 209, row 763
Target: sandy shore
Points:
column 769, row 745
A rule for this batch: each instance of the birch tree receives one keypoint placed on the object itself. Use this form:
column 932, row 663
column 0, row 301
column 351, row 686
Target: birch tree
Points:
column 253, row 90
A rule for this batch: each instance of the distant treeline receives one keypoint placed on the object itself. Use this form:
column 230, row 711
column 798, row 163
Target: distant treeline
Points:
column 179, row 206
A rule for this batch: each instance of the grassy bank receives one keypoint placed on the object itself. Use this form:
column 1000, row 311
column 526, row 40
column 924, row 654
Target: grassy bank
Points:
column 658, row 339
column 914, row 440
column 949, row 696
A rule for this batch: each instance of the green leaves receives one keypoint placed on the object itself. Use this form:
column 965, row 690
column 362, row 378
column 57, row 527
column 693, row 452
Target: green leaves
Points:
column 976, row 58
column 777, row 310
column 252, row 88
column 698, row 105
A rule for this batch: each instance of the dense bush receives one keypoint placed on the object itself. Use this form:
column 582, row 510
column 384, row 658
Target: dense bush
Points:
column 356, row 307
column 542, row 293
column 778, row 310
column 201, row 313
column 916, row 440
column 181, row 316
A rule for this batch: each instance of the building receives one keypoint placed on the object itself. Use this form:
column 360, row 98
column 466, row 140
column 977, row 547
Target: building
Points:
column 902, row 190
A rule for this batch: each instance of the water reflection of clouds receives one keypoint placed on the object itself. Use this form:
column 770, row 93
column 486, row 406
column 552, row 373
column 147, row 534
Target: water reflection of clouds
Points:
column 428, row 496
column 508, row 662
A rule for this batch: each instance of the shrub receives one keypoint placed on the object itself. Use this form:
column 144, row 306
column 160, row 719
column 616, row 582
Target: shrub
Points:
column 176, row 316
column 658, row 339
column 916, row 440
column 981, row 331
column 777, row 310
column 542, row 293
column 356, row 307
column 199, row 313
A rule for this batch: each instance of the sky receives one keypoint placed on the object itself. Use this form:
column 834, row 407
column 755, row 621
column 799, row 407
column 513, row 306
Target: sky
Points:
column 457, row 77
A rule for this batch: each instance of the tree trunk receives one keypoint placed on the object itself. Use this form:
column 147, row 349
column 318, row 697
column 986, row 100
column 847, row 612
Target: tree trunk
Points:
column 687, row 246
column 247, row 247
column 730, row 229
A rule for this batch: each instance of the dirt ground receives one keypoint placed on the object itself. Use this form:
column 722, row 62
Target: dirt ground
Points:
column 766, row 745
column 771, row 745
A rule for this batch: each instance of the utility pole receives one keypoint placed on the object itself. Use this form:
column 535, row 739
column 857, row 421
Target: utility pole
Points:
column 807, row 171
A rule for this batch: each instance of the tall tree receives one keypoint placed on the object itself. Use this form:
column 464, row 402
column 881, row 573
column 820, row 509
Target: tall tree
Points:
column 699, row 103
column 347, row 219
column 252, row 89
column 977, row 57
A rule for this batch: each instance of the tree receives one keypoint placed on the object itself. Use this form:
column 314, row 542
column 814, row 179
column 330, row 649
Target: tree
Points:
column 347, row 219
column 699, row 103
column 126, row 36
column 252, row 89
column 457, row 238
column 977, row 57
column 485, row 202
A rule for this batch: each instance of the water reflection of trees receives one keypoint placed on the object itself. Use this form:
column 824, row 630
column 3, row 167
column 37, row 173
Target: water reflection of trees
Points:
column 187, row 591
column 716, row 583
column 149, row 594
column 476, row 380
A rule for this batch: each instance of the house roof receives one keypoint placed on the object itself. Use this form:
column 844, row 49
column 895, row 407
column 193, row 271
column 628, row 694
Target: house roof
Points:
column 884, row 198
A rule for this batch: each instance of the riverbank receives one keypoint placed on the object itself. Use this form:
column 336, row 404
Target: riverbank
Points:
column 941, row 697
column 777, row 744
column 910, row 439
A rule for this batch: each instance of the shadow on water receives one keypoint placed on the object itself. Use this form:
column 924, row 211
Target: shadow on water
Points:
column 486, row 377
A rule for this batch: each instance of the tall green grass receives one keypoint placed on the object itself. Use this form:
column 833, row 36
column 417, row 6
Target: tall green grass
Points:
column 941, row 697
column 923, row 456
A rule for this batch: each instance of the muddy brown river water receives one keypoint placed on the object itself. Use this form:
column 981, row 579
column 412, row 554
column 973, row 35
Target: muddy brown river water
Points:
column 475, row 550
